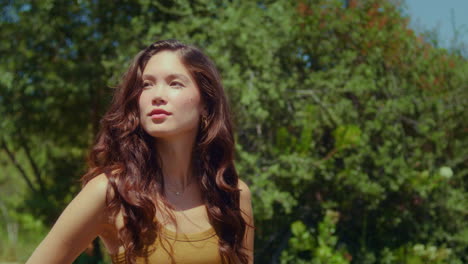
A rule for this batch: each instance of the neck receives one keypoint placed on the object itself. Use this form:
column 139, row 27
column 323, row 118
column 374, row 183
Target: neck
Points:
column 176, row 158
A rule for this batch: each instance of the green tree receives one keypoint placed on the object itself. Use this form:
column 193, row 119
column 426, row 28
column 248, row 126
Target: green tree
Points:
column 338, row 106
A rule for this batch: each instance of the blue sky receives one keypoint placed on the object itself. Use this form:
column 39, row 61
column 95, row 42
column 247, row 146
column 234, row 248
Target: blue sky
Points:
column 437, row 15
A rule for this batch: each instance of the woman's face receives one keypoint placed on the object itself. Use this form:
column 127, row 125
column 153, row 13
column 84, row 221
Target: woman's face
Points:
column 170, row 103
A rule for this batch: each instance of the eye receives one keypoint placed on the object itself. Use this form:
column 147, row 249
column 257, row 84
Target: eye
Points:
column 177, row 84
column 146, row 84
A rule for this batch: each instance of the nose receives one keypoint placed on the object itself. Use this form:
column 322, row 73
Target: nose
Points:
column 159, row 95
column 158, row 101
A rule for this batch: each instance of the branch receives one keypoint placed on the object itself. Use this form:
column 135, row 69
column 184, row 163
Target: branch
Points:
column 328, row 156
column 18, row 166
column 170, row 11
column 328, row 111
column 33, row 164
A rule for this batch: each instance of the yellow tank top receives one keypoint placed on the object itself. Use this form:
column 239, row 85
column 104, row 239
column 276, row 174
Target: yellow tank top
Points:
column 187, row 248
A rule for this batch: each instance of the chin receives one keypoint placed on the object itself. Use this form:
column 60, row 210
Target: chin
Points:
column 165, row 134
column 161, row 133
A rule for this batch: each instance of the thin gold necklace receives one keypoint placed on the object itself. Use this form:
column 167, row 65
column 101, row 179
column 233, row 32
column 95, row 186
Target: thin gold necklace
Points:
column 177, row 193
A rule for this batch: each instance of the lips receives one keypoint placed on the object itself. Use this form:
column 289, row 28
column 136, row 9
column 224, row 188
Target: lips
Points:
column 159, row 114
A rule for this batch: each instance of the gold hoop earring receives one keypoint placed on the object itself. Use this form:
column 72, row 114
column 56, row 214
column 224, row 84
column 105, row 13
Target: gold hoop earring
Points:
column 204, row 122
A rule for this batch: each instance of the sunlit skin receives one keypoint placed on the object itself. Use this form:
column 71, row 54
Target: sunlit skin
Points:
column 168, row 86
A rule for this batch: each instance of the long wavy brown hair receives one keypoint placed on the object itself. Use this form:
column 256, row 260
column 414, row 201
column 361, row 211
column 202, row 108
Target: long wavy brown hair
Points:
column 127, row 156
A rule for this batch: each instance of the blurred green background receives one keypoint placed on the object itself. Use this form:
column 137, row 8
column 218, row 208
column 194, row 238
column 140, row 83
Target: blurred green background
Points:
column 351, row 128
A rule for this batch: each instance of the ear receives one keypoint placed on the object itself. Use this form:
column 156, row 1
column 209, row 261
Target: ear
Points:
column 204, row 110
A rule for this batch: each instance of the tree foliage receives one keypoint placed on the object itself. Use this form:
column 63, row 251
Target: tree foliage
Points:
column 347, row 122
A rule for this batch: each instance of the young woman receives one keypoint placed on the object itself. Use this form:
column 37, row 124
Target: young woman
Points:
column 162, row 186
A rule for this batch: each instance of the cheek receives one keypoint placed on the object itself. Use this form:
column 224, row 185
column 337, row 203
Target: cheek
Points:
column 190, row 102
column 142, row 102
column 194, row 103
column 144, row 99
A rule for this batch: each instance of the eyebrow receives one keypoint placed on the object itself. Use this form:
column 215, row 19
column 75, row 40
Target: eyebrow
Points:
column 169, row 77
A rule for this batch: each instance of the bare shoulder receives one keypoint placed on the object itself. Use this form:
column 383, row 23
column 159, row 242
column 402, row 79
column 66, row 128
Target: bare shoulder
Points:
column 93, row 196
column 82, row 221
column 244, row 190
column 245, row 198
column 90, row 204
column 98, row 183
column 96, row 189
column 247, row 214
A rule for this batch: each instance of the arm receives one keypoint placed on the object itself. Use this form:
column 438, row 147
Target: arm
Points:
column 246, row 208
column 81, row 222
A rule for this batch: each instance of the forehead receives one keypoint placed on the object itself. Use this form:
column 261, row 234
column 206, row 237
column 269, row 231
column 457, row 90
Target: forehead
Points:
column 165, row 63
